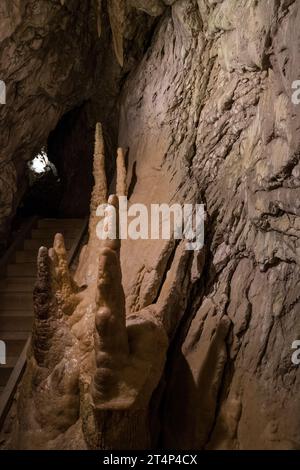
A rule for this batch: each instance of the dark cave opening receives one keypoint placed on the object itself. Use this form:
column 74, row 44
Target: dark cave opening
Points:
column 70, row 149
column 44, row 191
column 60, row 176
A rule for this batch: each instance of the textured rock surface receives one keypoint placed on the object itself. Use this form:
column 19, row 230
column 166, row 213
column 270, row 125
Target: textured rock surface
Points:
column 49, row 53
column 207, row 116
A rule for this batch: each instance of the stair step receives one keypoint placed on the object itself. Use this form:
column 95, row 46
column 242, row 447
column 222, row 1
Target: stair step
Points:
column 21, row 269
column 23, row 313
column 26, row 256
column 44, row 233
column 6, row 369
column 10, row 362
column 15, row 341
column 18, row 284
column 16, row 290
column 16, row 321
column 60, row 223
column 48, row 242
column 21, row 301
column 5, row 374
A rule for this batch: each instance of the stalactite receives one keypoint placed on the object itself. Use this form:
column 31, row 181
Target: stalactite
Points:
column 99, row 17
column 116, row 10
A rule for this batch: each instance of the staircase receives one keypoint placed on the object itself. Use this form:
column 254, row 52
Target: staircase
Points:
column 16, row 288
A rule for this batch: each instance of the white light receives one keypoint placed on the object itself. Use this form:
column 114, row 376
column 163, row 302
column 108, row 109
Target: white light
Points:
column 39, row 163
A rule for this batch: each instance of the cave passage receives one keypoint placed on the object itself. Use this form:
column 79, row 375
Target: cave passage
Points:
column 44, row 190
column 60, row 176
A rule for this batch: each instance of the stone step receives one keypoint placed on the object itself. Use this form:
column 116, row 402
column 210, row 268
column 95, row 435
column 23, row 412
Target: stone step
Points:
column 48, row 242
column 17, row 284
column 60, row 223
column 6, row 369
column 21, row 301
column 16, row 290
column 5, row 374
column 26, row 256
column 44, row 233
column 22, row 312
column 21, row 270
column 16, row 320
column 15, row 341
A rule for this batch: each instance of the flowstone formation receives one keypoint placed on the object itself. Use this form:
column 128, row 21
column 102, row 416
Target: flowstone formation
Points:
column 91, row 369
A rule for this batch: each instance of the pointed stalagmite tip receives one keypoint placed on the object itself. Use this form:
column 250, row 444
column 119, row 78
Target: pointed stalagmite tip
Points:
column 113, row 200
column 53, row 257
column 59, row 243
column 43, row 251
column 42, row 260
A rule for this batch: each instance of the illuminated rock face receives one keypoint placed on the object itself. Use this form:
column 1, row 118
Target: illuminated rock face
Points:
column 208, row 117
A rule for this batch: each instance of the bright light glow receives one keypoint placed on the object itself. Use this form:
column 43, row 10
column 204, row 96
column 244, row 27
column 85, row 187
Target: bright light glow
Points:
column 40, row 163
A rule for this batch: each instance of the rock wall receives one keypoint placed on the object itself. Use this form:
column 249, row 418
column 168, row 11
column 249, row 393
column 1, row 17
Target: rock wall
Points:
column 49, row 52
column 208, row 116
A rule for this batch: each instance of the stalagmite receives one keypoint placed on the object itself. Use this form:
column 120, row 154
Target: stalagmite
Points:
column 121, row 173
column 99, row 194
column 45, row 306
